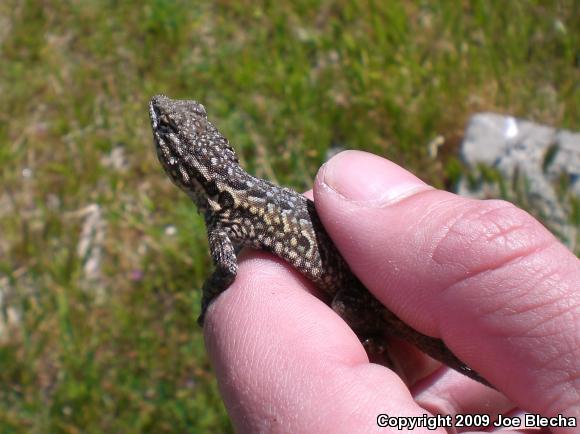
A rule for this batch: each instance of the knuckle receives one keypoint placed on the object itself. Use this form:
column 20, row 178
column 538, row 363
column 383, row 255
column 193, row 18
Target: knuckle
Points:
column 490, row 233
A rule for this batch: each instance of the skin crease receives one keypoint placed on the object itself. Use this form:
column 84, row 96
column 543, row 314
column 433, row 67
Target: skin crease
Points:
column 484, row 276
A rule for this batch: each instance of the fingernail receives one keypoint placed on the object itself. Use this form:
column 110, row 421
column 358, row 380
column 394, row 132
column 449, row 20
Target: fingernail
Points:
column 371, row 180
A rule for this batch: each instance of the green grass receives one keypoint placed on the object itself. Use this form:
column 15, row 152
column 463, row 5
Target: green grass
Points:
column 119, row 351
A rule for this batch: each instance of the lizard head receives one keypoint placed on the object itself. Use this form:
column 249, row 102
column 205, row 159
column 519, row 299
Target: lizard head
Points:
column 194, row 154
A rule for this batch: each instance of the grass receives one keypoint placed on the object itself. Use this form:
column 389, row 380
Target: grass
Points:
column 115, row 347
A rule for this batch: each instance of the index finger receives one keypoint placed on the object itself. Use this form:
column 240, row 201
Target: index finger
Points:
column 286, row 362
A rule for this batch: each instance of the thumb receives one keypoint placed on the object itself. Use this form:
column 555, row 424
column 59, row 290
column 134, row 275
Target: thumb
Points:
column 484, row 276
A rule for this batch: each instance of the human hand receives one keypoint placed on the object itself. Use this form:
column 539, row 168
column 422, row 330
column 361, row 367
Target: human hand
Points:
column 484, row 276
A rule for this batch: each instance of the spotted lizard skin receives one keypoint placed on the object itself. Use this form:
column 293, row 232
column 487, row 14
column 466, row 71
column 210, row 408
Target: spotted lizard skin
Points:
column 242, row 210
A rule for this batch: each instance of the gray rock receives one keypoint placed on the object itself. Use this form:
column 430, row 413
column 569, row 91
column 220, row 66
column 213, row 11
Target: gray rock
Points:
column 535, row 166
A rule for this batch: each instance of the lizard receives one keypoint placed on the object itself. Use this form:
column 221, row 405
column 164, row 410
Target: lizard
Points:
column 241, row 210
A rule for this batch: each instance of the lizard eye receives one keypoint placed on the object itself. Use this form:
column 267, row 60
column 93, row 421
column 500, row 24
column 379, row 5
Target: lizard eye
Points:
column 167, row 123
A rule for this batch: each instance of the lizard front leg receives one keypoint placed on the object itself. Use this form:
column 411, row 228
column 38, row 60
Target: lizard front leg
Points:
column 223, row 254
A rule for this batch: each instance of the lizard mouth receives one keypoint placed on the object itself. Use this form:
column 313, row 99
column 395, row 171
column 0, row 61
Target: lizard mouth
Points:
column 153, row 112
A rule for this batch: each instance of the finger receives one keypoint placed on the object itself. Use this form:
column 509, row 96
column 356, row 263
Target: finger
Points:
column 484, row 276
column 286, row 362
column 452, row 394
